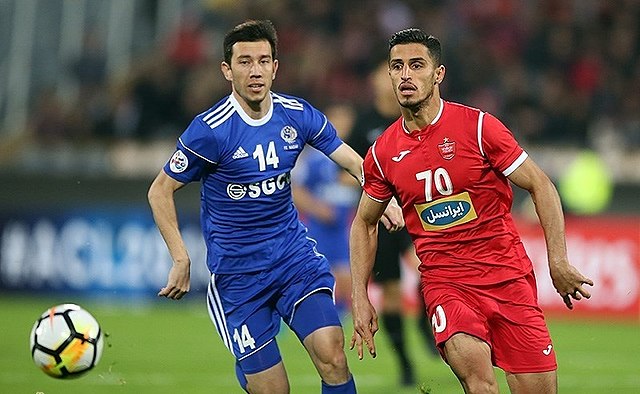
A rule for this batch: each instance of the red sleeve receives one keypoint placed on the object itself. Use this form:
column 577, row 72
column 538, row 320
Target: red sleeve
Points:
column 375, row 184
column 499, row 146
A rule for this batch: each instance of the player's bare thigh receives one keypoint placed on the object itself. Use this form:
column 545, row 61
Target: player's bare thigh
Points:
column 470, row 359
column 533, row 383
column 270, row 381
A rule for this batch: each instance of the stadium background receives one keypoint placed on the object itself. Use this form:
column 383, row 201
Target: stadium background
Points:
column 93, row 94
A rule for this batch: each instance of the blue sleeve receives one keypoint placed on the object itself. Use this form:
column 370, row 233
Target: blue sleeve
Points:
column 301, row 171
column 196, row 150
column 322, row 134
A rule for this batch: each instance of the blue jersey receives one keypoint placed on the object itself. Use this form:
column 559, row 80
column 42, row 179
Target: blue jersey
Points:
column 321, row 177
column 247, row 213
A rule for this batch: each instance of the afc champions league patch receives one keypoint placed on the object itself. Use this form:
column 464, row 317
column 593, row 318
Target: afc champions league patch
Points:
column 178, row 162
column 446, row 212
column 289, row 134
column 447, row 149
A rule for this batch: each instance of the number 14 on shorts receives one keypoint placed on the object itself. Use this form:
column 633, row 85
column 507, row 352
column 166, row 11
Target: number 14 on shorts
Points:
column 244, row 338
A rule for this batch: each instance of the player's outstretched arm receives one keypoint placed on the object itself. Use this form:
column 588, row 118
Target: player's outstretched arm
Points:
column 363, row 242
column 351, row 161
column 163, row 207
column 567, row 280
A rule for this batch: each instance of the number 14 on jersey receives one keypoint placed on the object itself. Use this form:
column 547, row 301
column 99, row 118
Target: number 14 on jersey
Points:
column 271, row 158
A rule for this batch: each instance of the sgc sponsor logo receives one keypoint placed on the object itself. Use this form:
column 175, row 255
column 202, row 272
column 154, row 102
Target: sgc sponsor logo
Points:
column 267, row 187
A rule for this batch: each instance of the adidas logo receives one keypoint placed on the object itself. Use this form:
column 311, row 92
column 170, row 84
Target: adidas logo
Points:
column 240, row 153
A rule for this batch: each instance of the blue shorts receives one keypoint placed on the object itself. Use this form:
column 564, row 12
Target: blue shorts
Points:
column 332, row 241
column 335, row 249
column 247, row 308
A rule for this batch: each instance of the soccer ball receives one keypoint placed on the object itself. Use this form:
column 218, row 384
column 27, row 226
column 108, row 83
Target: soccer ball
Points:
column 66, row 341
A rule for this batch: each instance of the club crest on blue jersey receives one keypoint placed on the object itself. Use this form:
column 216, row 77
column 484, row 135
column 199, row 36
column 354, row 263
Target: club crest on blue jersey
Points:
column 178, row 162
column 289, row 134
column 446, row 212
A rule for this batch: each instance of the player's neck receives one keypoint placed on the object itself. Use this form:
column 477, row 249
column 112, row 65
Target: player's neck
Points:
column 422, row 116
column 254, row 109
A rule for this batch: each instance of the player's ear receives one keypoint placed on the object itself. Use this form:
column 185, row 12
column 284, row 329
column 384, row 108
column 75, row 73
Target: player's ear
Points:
column 275, row 69
column 226, row 71
column 440, row 71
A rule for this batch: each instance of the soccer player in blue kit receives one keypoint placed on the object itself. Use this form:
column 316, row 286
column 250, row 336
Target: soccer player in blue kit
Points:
column 264, row 268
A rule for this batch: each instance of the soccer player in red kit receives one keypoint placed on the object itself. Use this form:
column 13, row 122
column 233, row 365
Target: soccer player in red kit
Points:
column 450, row 167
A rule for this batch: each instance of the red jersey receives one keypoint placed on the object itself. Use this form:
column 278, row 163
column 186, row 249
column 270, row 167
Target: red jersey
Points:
column 451, row 181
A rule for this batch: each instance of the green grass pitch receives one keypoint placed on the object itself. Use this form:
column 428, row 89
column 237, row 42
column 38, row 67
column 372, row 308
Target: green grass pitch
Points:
column 172, row 347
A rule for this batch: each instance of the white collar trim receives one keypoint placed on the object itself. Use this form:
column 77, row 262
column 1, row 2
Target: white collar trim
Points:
column 248, row 119
column 434, row 121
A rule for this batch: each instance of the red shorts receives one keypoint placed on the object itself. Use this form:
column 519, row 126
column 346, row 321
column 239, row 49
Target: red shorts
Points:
column 506, row 316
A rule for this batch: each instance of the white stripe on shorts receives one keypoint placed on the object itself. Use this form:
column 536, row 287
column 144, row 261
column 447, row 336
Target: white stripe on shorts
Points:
column 216, row 313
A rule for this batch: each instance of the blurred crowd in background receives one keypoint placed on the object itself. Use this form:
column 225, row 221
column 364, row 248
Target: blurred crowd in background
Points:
column 557, row 72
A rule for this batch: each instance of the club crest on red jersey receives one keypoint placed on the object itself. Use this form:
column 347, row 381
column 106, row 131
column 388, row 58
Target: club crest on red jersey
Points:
column 447, row 149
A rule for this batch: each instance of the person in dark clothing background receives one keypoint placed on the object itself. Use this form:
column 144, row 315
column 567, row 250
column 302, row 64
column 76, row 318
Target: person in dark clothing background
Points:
column 370, row 122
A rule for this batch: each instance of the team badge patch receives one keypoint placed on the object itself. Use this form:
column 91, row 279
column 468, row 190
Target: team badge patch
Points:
column 178, row 162
column 446, row 212
column 447, row 149
column 289, row 134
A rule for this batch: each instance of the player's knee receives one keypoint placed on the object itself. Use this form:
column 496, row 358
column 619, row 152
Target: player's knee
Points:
column 332, row 359
column 333, row 369
column 476, row 385
column 326, row 347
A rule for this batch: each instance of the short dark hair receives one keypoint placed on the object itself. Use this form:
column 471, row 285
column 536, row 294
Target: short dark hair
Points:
column 251, row 31
column 417, row 36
